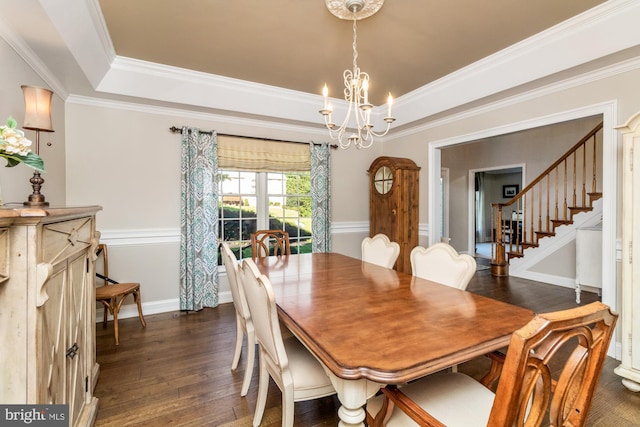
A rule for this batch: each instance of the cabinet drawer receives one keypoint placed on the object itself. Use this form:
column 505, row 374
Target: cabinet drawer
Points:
column 61, row 239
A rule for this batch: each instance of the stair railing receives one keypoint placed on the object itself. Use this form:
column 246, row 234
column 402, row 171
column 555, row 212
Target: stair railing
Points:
column 550, row 200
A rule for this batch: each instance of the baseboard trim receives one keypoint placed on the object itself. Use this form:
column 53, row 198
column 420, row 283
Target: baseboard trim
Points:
column 565, row 282
column 154, row 307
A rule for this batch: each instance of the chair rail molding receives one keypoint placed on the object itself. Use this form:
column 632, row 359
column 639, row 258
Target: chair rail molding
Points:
column 128, row 237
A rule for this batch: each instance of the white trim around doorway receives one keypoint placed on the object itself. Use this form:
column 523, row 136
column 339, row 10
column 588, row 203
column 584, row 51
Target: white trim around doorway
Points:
column 611, row 139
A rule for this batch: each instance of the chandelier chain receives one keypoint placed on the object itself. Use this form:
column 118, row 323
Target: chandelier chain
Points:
column 355, row 44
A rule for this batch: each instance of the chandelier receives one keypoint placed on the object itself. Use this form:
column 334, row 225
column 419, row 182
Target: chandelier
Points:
column 356, row 84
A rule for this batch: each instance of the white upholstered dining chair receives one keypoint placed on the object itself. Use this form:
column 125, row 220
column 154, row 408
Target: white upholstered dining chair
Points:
column 244, row 324
column 548, row 377
column 297, row 373
column 380, row 250
column 441, row 263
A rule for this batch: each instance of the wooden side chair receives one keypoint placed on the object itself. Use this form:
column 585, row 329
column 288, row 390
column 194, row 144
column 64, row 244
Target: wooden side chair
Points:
column 548, row 377
column 112, row 294
column 270, row 242
column 244, row 324
column 441, row 263
column 380, row 250
column 296, row 372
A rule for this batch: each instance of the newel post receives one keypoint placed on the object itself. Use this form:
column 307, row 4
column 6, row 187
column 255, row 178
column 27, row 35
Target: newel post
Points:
column 499, row 264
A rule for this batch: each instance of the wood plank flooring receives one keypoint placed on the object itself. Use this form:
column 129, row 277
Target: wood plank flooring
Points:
column 176, row 372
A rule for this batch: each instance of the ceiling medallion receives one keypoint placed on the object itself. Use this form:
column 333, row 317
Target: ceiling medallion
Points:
column 343, row 9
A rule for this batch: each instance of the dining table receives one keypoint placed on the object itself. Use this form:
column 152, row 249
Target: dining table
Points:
column 371, row 326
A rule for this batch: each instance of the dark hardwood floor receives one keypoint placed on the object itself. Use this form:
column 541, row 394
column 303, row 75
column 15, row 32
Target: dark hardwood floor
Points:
column 177, row 371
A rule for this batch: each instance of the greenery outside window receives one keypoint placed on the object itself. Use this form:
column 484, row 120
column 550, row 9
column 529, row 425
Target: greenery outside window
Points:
column 251, row 201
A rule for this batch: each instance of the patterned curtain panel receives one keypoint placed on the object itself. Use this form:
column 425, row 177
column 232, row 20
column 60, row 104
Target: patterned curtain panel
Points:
column 321, row 197
column 199, row 220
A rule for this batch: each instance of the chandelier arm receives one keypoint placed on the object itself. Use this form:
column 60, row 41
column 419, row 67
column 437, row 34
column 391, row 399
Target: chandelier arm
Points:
column 348, row 77
column 379, row 135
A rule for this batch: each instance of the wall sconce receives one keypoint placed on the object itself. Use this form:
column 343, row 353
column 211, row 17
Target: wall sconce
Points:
column 37, row 116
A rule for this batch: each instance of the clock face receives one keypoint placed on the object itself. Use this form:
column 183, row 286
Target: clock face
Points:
column 383, row 180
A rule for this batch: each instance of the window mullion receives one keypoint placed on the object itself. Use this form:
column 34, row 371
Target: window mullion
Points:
column 262, row 200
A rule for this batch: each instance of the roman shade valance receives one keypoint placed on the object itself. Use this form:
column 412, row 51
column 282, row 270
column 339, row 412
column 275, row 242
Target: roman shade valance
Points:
column 255, row 154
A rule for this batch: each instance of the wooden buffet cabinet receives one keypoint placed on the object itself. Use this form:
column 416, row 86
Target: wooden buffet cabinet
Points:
column 47, row 308
column 393, row 204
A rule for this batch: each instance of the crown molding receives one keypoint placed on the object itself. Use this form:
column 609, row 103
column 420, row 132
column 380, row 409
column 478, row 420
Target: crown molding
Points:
column 183, row 114
column 541, row 55
column 29, row 56
column 569, row 83
column 598, row 32
column 585, row 78
column 82, row 28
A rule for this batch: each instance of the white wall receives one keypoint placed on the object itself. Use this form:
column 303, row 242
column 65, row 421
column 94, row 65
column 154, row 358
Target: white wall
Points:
column 124, row 158
column 536, row 149
column 618, row 87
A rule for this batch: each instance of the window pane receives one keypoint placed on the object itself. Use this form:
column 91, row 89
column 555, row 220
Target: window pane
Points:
column 290, row 207
column 238, row 213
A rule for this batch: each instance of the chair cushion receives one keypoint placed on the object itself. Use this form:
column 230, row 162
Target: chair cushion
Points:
column 454, row 399
column 309, row 377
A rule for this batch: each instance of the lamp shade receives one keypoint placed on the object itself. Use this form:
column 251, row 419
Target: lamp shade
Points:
column 37, row 108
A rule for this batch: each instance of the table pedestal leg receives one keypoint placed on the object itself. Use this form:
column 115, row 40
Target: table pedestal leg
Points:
column 353, row 395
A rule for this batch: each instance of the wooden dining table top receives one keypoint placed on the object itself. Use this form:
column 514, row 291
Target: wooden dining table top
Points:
column 366, row 321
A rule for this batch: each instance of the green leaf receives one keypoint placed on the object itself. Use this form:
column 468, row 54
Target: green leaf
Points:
column 11, row 162
column 11, row 122
column 32, row 160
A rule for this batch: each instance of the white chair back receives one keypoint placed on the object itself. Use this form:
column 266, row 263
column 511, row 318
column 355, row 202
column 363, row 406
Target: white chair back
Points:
column 380, row 250
column 232, row 266
column 442, row 264
column 244, row 323
column 264, row 314
column 296, row 372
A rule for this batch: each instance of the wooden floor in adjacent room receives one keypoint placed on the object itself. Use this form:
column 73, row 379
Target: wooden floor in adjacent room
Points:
column 176, row 372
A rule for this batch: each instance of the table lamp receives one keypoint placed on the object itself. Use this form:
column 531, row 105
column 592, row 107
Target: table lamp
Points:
column 37, row 116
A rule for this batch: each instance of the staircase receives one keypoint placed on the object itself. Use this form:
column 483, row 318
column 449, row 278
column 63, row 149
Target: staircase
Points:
column 564, row 190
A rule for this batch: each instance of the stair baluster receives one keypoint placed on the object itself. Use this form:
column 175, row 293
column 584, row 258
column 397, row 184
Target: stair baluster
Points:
column 514, row 221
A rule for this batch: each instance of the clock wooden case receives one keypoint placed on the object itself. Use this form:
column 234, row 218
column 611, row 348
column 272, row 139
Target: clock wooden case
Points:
column 393, row 204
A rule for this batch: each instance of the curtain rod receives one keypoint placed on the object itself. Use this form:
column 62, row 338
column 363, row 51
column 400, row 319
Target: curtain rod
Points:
column 176, row 129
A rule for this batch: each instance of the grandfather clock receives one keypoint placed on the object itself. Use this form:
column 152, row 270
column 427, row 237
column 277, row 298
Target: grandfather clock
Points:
column 393, row 204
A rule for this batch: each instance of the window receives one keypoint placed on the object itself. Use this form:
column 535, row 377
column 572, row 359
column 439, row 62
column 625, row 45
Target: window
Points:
column 251, row 201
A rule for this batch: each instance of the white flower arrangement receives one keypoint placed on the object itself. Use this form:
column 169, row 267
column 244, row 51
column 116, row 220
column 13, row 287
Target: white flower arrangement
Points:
column 16, row 148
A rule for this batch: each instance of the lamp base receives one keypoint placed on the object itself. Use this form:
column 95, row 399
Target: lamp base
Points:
column 36, row 199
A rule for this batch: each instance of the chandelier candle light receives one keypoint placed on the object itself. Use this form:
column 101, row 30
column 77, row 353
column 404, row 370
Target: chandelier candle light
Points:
column 356, row 82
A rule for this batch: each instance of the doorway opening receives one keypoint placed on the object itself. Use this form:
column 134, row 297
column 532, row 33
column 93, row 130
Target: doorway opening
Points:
column 488, row 189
